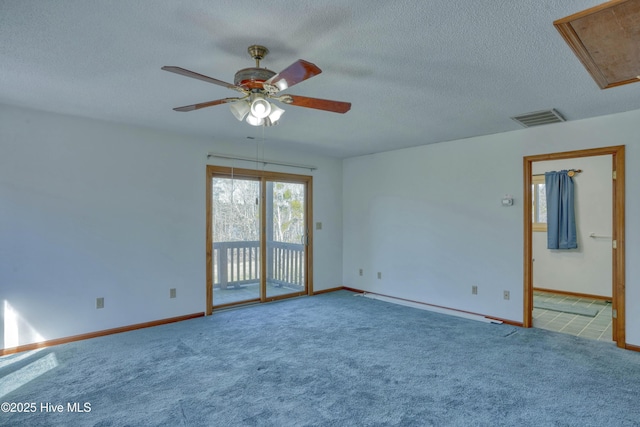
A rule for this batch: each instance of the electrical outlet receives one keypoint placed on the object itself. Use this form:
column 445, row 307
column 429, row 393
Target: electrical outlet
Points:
column 474, row 290
column 361, row 272
column 172, row 293
column 100, row 302
column 506, row 294
column 379, row 275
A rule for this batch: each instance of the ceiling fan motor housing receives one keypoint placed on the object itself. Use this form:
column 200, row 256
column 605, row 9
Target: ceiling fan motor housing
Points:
column 252, row 78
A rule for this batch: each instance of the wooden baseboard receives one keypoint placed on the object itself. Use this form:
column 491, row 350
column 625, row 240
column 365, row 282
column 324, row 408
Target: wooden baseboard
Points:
column 353, row 290
column 573, row 294
column 632, row 347
column 506, row 321
column 58, row 341
column 324, row 291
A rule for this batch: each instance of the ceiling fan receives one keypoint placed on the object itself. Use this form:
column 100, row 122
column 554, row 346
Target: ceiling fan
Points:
column 258, row 85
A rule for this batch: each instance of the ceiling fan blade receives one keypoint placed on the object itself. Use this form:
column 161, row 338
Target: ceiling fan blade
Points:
column 202, row 77
column 207, row 104
column 295, row 73
column 317, row 103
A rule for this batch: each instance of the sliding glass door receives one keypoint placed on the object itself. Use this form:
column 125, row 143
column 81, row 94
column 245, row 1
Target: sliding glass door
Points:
column 258, row 239
column 286, row 238
column 236, row 240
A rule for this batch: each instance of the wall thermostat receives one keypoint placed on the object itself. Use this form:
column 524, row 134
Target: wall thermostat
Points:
column 507, row 200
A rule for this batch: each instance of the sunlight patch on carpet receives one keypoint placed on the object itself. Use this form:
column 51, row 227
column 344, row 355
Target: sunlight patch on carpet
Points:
column 33, row 370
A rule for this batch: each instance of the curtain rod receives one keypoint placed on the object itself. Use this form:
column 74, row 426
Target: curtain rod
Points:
column 263, row 161
column 571, row 172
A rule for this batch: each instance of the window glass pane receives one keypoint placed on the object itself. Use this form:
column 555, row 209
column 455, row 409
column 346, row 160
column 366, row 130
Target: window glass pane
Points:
column 285, row 234
column 534, row 192
column 235, row 236
column 541, row 197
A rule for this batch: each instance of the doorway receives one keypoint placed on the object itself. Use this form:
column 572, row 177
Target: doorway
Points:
column 258, row 236
column 617, row 238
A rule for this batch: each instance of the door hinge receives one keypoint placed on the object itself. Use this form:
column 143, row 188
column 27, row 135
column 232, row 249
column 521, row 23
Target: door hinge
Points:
column 614, row 313
column 614, row 175
column 614, row 243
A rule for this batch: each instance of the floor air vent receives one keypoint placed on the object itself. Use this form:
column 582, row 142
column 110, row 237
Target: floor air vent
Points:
column 538, row 118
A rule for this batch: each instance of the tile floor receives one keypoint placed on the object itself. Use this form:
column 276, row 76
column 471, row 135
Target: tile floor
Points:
column 598, row 327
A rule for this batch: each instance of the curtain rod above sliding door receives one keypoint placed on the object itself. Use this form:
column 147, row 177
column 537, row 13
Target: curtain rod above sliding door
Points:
column 263, row 161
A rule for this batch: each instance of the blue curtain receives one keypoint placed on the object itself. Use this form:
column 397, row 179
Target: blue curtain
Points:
column 561, row 219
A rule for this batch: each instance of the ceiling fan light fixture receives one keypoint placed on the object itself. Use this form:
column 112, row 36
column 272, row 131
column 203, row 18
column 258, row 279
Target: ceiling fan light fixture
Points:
column 240, row 109
column 276, row 113
column 254, row 121
column 260, row 107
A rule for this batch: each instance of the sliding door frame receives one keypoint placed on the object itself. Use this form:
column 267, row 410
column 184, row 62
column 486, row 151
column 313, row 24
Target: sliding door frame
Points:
column 263, row 177
column 618, row 228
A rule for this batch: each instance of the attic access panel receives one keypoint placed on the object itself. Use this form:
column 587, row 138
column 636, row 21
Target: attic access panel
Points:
column 606, row 39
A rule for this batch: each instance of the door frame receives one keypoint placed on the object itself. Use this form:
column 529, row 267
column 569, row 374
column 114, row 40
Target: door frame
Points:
column 263, row 177
column 618, row 227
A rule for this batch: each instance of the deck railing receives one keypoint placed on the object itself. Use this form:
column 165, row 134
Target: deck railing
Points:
column 238, row 263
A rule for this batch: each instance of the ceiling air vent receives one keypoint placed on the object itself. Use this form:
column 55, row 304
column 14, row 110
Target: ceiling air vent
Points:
column 538, row 118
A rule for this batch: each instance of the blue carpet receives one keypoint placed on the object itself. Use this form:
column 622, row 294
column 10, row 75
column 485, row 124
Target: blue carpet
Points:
column 328, row 360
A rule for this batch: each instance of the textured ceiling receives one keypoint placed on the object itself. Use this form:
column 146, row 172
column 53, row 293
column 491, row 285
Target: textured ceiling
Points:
column 416, row 72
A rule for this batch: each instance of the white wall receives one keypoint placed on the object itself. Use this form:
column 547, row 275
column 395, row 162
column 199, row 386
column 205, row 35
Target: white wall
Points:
column 429, row 218
column 587, row 269
column 92, row 209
